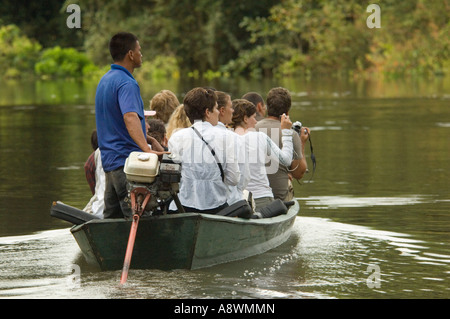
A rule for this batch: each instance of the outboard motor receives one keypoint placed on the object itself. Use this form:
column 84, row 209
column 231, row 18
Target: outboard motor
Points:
column 152, row 184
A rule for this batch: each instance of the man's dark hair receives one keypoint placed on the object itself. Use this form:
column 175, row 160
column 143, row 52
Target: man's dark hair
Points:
column 222, row 99
column 197, row 101
column 121, row 44
column 278, row 102
column 253, row 97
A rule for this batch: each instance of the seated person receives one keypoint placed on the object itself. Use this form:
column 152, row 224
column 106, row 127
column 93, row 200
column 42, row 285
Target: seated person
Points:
column 178, row 120
column 278, row 103
column 236, row 193
column 96, row 180
column 89, row 165
column 157, row 130
column 164, row 103
column 204, row 176
column 259, row 147
column 257, row 99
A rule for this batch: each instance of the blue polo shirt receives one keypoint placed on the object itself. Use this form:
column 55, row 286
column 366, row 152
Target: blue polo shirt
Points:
column 117, row 94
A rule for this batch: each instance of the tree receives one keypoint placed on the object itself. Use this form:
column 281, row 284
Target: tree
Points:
column 42, row 21
column 202, row 35
column 305, row 36
column 309, row 36
column 18, row 53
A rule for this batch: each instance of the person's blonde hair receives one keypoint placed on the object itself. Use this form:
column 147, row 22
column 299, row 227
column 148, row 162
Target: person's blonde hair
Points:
column 164, row 103
column 177, row 120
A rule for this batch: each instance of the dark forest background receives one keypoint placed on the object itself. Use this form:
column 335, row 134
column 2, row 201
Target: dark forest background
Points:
column 227, row 38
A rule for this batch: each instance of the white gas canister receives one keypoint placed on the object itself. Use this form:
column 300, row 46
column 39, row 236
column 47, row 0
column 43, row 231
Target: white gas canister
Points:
column 142, row 167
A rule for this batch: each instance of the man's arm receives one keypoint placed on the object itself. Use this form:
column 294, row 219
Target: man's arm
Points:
column 134, row 128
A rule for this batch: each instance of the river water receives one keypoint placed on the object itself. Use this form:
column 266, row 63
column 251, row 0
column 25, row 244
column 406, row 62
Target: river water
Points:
column 374, row 219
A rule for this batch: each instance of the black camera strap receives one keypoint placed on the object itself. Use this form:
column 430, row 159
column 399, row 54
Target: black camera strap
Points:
column 313, row 157
column 212, row 152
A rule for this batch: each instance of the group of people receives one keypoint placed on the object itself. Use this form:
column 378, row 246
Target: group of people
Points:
column 228, row 148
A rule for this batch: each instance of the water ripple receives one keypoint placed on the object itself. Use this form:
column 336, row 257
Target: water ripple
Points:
column 332, row 202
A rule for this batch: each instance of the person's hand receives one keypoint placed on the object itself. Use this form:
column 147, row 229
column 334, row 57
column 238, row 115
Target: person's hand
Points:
column 159, row 153
column 304, row 134
column 156, row 147
column 286, row 123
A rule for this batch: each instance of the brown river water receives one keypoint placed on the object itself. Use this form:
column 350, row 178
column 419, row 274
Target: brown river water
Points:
column 374, row 220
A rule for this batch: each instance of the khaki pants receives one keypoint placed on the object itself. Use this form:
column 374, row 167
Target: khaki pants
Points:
column 290, row 194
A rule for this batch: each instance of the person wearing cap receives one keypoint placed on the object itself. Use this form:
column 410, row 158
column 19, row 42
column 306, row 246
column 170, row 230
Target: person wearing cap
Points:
column 120, row 121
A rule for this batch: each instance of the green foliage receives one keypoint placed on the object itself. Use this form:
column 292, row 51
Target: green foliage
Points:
column 203, row 35
column 161, row 67
column 416, row 43
column 17, row 52
column 219, row 38
column 43, row 21
column 302, row 37
column 64, row 62
column 308, row 36
column 22, row 57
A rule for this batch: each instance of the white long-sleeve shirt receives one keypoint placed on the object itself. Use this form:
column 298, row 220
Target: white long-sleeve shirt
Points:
column 261, row 150
column 201, row 185
column 236, row 193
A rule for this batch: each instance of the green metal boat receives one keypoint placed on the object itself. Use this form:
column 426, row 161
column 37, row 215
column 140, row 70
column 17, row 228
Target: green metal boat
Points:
column 181, row 241
column 166, row 240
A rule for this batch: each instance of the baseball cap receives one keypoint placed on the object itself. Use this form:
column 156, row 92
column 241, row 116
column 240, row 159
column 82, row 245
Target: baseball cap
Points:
column 149, row 113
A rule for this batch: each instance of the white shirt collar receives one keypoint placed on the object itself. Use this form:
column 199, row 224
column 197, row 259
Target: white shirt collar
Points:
column 221, row 125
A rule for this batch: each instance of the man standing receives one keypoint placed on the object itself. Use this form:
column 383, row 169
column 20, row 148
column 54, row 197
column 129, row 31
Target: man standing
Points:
column 279, row 103
column 120, row 120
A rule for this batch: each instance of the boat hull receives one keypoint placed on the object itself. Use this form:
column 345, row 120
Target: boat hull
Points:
column 181, row 241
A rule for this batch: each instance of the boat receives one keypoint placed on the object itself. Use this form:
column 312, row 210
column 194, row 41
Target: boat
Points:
column 173, row 240
column 177, row 241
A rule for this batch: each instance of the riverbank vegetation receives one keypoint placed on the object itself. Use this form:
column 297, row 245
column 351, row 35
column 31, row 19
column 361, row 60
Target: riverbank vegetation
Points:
column 222, row 38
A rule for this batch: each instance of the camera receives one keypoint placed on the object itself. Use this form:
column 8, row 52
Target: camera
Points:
column 297, row 126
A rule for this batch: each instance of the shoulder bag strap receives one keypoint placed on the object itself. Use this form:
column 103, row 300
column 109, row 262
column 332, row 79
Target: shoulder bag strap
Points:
column 212, row 152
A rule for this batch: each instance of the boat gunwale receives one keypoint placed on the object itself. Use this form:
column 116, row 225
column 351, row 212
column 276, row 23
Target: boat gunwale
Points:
column 291, row 213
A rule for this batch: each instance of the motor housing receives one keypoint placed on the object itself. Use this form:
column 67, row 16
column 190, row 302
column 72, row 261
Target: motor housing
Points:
column 146, row 174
